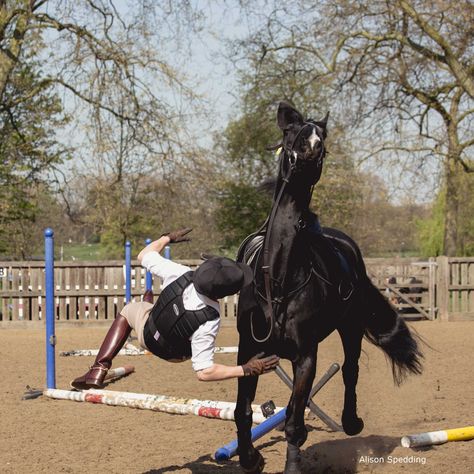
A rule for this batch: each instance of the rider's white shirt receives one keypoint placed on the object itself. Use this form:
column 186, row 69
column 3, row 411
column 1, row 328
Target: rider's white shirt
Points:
column 203, row 339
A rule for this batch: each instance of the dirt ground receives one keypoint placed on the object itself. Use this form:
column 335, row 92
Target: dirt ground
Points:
column 46, row 435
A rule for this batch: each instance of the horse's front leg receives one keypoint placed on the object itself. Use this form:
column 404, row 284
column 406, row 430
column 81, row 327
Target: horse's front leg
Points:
column 351, row 340
column 250, row 459
column 304, row 369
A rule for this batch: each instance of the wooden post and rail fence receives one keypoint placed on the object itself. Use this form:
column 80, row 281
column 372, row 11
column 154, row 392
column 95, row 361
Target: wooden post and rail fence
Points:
column 439, row 288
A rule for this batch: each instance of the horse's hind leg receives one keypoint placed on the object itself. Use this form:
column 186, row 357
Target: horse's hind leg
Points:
column 351, row 337
column 250, row 459
column 304, row 370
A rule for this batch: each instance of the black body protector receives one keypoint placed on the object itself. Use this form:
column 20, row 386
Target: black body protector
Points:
column 173, row 323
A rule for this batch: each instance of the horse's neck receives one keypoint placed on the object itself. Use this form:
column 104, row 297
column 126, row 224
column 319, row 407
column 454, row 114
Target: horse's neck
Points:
column 292, row 206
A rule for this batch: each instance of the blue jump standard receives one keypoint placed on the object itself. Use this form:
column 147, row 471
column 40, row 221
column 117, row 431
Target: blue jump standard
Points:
column 149, row 277
column 49, row 308
column 229, row 450
column 128, row 271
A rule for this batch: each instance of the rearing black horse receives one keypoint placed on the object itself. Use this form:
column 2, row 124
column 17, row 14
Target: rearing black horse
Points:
column 308, row 282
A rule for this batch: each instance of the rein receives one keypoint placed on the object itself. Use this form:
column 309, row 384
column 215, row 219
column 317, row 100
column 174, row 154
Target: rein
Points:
column 268, row 309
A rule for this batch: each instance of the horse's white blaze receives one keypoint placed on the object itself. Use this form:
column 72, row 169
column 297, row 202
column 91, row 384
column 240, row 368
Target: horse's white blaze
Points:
column 295, row 155
column 313, row 139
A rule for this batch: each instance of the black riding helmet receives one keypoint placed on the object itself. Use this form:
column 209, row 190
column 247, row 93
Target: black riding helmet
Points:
column 219, row 276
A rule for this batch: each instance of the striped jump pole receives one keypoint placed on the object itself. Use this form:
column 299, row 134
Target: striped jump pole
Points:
column 438, row 437
column 49, row 305
column 161, row 403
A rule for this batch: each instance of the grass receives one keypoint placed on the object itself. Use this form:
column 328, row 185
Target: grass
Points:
column 81, row 252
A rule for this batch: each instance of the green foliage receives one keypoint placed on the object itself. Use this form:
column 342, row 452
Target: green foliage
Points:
column 430, row 230
column 245, row 146
column 28, row 151
column 22, row 237
column 116, row 214
column 338, row 196
column 465, row 231
column 241, row 210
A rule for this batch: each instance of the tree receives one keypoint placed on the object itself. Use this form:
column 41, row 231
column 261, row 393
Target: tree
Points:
column 28, row 148
column 244, row 146
column 430, row 233
column 241, row 210
column 23, row 237
column 401, row 72
column 105, row 64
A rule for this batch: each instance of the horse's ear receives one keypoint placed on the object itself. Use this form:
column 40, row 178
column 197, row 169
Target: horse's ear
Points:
column 287, row 115
column 323, row 124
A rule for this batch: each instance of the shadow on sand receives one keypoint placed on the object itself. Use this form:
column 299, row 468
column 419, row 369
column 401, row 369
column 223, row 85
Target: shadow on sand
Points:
column 342, row 456
column 345, row 456
column 207, row 465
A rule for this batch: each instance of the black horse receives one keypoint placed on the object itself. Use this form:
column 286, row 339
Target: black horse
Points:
column 308, row 282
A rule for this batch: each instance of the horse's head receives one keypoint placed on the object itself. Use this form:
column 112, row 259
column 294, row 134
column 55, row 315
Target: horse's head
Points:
column 303, row 142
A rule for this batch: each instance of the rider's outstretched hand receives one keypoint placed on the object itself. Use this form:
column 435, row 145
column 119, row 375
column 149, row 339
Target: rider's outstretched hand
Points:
column 178, row 236
column 258, row 365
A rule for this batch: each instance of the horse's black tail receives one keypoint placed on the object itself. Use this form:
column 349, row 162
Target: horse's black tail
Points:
column 387, row 330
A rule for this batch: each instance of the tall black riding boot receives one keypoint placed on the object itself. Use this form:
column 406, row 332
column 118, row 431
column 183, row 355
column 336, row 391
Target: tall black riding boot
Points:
column 113, row 342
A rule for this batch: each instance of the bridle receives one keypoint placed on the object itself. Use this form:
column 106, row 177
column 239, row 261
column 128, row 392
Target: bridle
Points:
column 292, row 156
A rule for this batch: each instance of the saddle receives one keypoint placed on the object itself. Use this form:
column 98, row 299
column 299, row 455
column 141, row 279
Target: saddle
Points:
column 336, row 272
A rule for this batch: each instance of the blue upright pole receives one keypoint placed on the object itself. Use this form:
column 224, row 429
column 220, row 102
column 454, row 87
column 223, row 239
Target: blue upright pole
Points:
column 128, row 271
column 49, row 305
column 148, row 277
column 229, row 450
column 167, row 252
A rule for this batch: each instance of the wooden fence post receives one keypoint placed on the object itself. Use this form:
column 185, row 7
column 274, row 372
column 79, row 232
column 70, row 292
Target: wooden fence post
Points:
column 442, row 288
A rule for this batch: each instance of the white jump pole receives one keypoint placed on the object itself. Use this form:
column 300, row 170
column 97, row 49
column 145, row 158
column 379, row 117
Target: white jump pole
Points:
column 119, row 372
column 131, row 350
column 438, row 437
column 161, row 403
column 226, row 350
column 94, row 352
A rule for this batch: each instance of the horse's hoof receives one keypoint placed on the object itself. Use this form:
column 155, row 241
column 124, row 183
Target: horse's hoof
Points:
column 257, row 465
column 352, row 426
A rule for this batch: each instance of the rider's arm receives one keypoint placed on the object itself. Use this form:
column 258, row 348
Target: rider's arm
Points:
column 159, row 266
column 220, row 372
column 155, row 246
column 257, row 365
column 203, row 345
